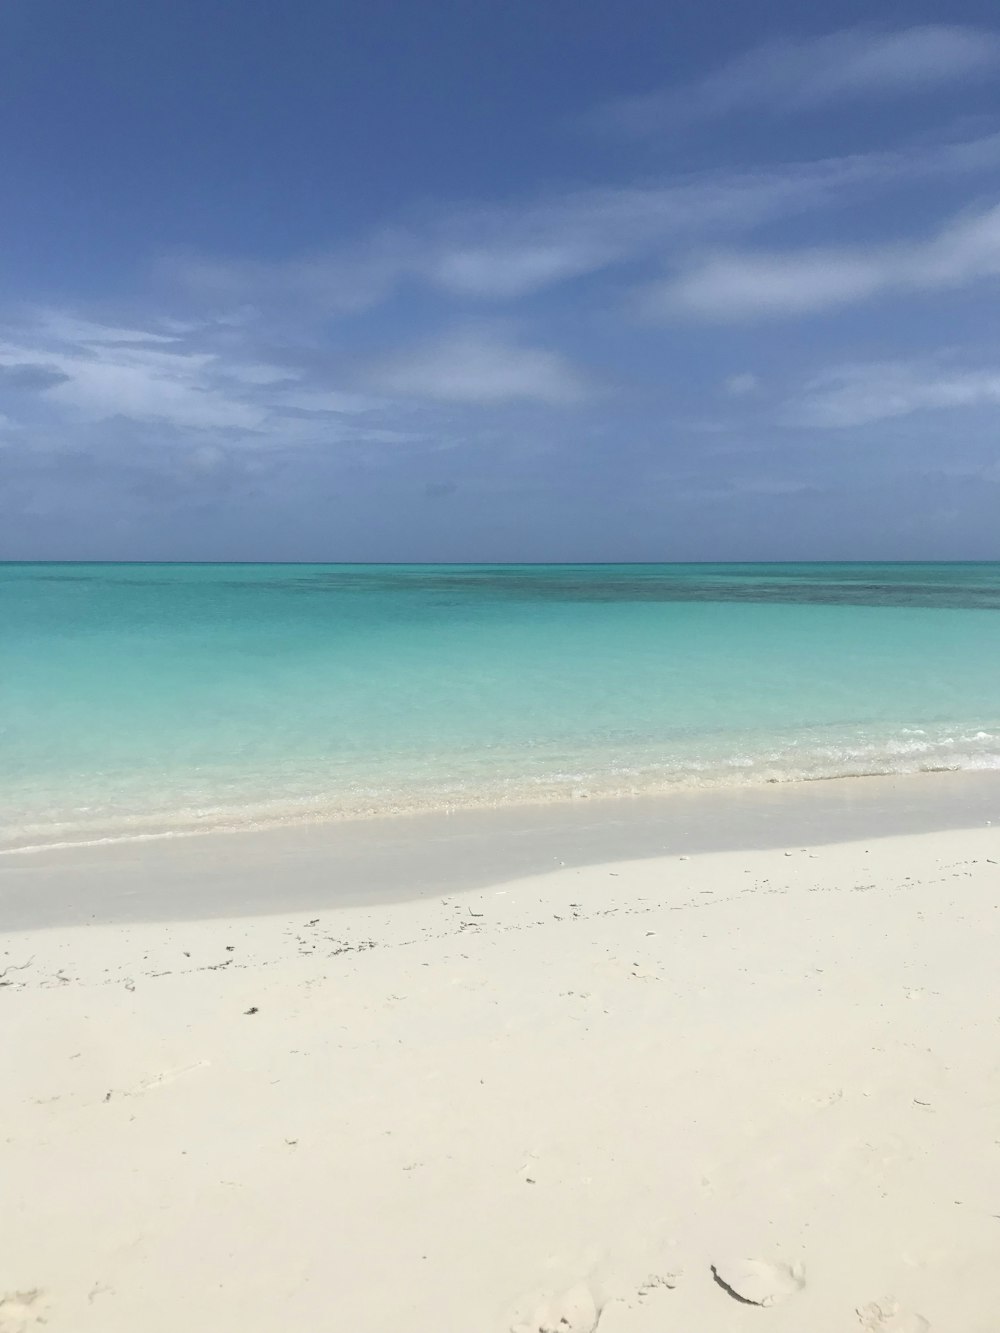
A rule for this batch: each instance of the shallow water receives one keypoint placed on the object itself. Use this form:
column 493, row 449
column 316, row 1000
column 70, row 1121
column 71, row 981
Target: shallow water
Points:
column 138, row 700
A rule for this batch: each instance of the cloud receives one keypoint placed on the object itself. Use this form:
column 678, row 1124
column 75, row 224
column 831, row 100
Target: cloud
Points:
column 65, row 327
column 507, row 252
column 508, row 267
column 98, row 372
column 859, row 395
column 800, row 74
column 481, row 367
column 755, row 285
column 174, row 389
column 82, row 371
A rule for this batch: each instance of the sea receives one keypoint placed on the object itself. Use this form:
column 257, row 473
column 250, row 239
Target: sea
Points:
column 154, row 700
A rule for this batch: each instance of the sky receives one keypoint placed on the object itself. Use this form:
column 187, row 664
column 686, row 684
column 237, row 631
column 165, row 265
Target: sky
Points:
column 472, row 280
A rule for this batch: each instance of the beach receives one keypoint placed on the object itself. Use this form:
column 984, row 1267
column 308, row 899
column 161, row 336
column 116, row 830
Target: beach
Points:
column 500, row 668
column 754, row 1087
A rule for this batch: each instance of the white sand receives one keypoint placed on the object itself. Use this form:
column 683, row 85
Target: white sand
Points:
column 553, row 1102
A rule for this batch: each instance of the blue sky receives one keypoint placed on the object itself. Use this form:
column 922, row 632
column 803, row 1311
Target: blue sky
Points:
column 497, row 281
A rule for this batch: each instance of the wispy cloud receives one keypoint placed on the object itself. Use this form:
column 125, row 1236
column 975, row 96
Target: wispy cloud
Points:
column 756, row 285
column 506, row 252
column 797, row 74
column 859, row 395
column 481, row 366
column 61, row 367
column 197, row 402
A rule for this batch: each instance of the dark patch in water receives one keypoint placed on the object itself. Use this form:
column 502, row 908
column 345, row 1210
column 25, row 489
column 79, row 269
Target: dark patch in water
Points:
column 944, row 587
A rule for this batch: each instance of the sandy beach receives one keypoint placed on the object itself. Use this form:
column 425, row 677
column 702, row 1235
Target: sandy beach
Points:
column 714, row 1090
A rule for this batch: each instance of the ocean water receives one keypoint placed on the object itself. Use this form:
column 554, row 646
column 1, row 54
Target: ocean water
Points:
column 144, row 700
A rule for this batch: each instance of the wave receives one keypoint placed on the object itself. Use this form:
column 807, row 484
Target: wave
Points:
column 503, row 782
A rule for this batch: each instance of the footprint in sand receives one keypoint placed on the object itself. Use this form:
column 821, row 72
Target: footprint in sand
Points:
column 22, row 1310
column 757, row 1282
column 645, row 1307
column 885, row 1316
column 575, row 1311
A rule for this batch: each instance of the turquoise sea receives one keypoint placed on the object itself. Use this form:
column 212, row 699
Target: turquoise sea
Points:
column 140, row 700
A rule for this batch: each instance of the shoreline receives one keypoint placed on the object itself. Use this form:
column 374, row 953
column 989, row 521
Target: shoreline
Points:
column 253, row 818
column 396, row 858
column 156, row 829
column 602, row 1097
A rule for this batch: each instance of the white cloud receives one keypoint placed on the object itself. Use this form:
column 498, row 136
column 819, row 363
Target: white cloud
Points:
column 740, row 286
column 481, row 366
column 505, row 268
column 748, row 286
column 103, row 375
column 188, row 389
column 66, row 375
column 178, row 393
column 85, row 371
column 796, row 74
column 861, row 394
column 500, row 253
column 69, row 328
